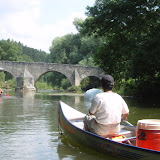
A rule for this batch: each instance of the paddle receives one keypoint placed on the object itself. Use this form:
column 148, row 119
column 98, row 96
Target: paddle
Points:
column 128, row 123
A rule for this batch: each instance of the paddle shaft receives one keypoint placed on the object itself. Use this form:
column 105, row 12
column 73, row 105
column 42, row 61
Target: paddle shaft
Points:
column 128, row 122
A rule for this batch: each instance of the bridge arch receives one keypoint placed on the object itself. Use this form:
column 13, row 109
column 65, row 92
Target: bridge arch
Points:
column 51, row 72
column 5, row 70
column 90, row 76
column 14, row 74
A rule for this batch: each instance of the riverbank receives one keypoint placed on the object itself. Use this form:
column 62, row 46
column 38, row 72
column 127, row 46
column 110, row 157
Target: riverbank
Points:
column 67, row 94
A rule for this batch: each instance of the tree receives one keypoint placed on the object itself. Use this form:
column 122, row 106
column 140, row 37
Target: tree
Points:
column 72, row 49
column 10, row 50
column 65, row 49
column 33, row 55
column 131, row 38
column 131, row 32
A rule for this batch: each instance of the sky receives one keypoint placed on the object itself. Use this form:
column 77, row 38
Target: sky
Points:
column 35, row 23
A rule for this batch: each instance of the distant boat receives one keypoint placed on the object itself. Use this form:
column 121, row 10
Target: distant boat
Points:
column 71, row 124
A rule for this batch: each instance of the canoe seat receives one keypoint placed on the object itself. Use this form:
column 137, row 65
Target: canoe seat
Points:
column 78, row 123
column 126, row 140
column 122, row 139
column 124, row 132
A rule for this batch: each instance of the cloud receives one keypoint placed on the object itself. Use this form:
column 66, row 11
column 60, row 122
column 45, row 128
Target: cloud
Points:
column 14, row 5
column 20, row 22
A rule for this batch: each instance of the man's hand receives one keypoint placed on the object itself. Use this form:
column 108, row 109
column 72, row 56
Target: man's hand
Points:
column 124, row 117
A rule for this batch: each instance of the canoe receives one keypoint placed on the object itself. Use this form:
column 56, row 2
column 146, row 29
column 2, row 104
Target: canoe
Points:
column 71, row 124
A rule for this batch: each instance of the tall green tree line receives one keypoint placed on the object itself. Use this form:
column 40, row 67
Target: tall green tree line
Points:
column 13, row 51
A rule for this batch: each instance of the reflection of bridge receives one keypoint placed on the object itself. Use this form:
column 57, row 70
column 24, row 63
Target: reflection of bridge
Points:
column 27, row 73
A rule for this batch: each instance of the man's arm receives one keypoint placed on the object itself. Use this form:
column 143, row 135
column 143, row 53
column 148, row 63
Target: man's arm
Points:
column 94, row 105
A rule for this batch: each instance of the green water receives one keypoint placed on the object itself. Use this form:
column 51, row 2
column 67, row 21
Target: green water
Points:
column 29, row 129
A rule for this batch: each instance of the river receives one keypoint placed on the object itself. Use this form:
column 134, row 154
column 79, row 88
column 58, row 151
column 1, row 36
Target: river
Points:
column 29, row 128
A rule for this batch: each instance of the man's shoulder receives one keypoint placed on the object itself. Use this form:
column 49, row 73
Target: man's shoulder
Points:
column 100, row 94
column 113, row 94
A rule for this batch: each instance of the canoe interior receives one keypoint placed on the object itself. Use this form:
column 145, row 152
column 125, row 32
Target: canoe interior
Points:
column 76, row 118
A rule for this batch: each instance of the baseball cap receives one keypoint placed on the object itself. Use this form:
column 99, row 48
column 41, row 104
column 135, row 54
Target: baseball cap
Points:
column 107, row 79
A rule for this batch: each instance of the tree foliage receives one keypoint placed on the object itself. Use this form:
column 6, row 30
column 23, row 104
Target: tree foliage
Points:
column 10, row 50
column 131, row 32
column 72, row 49
column 33, row 55
column 64, row 49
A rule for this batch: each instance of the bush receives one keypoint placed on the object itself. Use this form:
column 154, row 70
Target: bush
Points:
column 74, row 89
column 11, row 84
column 65, row 83
column 43, row 85
column 2, row 77
column 89, row 83
column 126, row 87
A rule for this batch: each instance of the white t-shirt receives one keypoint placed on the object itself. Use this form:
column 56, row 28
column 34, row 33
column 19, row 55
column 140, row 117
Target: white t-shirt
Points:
column 108, row 108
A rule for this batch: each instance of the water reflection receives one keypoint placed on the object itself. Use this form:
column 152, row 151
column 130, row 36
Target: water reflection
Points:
column 67, row 149
column 142, row 109
column 28, row 127
column 77, row 99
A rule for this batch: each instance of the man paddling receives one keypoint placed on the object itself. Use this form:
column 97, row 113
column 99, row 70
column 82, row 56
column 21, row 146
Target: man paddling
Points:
column 106, row 111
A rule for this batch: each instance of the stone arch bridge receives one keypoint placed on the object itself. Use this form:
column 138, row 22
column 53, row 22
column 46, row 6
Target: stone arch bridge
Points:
column 28, row 73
